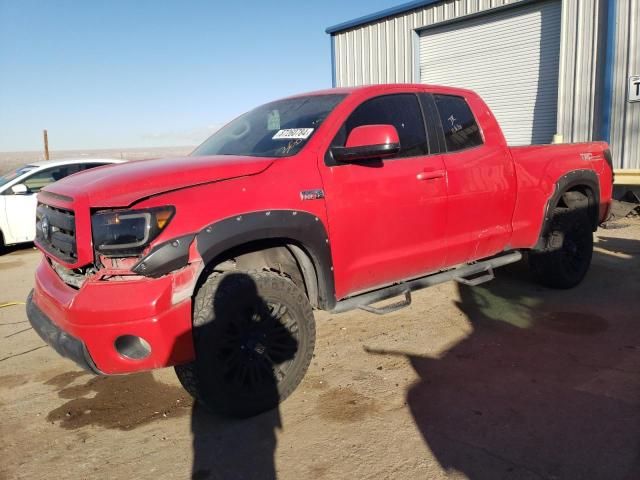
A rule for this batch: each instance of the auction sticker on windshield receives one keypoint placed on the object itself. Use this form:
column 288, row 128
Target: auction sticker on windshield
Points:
column 293, row 134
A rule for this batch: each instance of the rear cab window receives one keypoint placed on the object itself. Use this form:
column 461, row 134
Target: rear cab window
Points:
column 400, row 110
column 459, row 126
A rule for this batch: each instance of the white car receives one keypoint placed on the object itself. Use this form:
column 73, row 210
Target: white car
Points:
column 18, row 189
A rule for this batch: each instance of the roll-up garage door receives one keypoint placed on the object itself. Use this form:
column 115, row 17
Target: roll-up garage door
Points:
column 510, row 58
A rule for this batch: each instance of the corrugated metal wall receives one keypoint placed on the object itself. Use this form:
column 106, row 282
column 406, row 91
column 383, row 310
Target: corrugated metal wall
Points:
column 385, row 51
column 580, row 77
column 625, row 116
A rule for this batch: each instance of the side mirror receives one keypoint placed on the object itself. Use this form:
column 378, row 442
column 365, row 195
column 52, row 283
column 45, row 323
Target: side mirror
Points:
column 19, row 189
column 368, row 142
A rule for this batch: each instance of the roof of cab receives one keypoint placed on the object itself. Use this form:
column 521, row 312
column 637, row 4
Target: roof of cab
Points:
column 384, row 87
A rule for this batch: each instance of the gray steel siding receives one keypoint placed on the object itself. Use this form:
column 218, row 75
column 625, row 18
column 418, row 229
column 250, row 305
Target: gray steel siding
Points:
column 382, row 52
column 581, row 46
column 625, row 116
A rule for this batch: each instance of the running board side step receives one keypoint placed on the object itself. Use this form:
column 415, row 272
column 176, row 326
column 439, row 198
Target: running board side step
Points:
column 364, row 301
column 487, row 276
column 389, row 308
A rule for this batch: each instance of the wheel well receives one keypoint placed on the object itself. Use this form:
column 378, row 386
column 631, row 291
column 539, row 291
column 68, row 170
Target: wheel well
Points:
column 581, row 197
column 572, row 193
column 282, row 256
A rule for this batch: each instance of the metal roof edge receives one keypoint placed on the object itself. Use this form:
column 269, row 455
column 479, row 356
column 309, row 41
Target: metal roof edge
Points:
column 405, row 7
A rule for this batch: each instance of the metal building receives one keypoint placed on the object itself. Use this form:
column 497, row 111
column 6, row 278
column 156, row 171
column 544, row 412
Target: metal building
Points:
column 567, row 70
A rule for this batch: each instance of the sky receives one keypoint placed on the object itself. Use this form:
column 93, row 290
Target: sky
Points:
column 125, row 73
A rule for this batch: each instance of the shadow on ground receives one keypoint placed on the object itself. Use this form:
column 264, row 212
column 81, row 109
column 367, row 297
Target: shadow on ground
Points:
column 547, row 384
column 251, row 346
column 225, row 448
column 16, row 248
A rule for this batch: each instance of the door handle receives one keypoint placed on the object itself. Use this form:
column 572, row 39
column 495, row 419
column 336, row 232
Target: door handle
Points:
column 431, row 175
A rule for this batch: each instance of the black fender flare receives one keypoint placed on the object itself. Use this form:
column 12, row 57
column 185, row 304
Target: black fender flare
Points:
column 297, row 227
column 566, row 182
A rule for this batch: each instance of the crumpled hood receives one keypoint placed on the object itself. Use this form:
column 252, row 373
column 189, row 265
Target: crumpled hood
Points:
column 120, row 185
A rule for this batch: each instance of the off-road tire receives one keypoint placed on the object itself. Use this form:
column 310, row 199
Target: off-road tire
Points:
column 565, row 266
column 220, row 307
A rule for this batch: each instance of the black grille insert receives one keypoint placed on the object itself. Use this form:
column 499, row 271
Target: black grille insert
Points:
column 56, row 232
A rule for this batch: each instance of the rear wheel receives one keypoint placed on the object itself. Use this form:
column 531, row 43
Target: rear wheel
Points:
column 567, row 257
column 254, row 335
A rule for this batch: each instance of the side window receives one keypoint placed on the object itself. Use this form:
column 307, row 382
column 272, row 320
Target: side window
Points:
column 402, row 111
column 41, row 179
column 460, row 128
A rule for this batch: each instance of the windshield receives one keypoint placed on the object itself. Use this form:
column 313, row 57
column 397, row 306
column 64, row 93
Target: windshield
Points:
column 14, row 173
column 277, row 129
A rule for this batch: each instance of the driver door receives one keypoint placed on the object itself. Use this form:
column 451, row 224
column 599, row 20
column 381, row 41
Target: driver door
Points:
column 387, row 218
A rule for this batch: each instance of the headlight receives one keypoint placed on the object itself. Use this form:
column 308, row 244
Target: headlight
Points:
column 127, row 232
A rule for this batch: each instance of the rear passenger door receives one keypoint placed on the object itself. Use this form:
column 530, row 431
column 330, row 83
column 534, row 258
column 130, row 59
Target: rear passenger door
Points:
column 480, row 184
column 386, row 217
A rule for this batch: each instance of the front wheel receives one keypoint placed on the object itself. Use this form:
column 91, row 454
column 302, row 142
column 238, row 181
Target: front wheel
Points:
column 254, row 335
column 565, row 262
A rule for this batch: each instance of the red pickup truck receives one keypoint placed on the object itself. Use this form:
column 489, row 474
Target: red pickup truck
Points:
column 332, row 200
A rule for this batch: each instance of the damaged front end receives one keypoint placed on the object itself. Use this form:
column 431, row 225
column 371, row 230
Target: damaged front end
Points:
column 126, row 302
column 182, row 265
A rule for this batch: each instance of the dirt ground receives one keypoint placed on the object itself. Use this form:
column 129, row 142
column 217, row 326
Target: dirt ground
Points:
column 505, row 380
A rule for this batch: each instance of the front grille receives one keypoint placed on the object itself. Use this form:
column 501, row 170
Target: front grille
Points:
column 56, row 232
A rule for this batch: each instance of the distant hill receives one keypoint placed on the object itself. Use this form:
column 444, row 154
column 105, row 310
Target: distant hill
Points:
column 9, row 160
